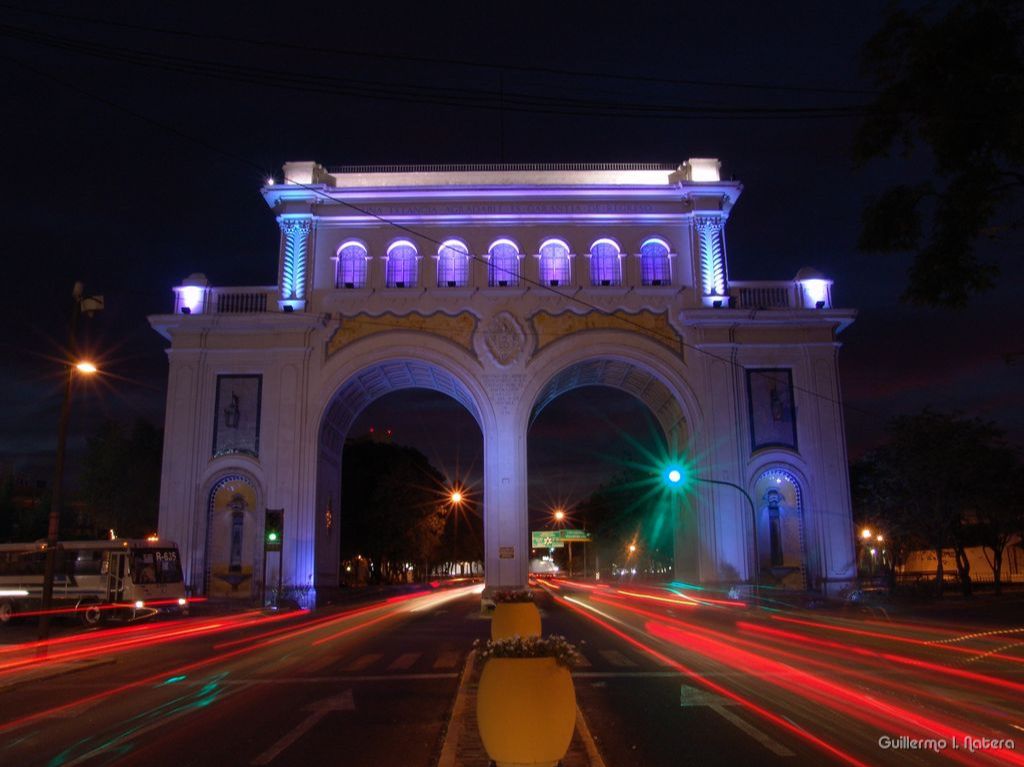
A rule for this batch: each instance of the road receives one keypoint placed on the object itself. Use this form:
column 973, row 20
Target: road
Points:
column 669, row 676
column 699, row 678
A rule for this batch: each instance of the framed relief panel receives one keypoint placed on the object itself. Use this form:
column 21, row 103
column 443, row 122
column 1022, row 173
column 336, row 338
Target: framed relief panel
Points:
column 772, row 414
column 236, row 427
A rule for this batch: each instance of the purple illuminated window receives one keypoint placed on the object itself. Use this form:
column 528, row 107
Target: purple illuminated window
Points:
column 452, row 265
column 554, row 263
column 402, row 265
column 503, row 267
column 605, row 267
column 654, row 264
column 351, row 266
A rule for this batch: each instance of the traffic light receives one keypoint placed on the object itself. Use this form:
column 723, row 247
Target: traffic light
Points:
column 273, row 529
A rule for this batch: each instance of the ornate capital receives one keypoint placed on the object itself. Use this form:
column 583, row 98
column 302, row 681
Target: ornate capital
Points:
column 295, row 227
column 707, row 224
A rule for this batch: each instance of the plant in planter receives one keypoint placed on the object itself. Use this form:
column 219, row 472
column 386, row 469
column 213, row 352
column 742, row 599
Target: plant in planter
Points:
column 526, row 704
column 515, row 614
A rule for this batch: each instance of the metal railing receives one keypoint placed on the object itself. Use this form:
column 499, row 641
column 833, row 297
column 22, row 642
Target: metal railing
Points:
column 763, row 295
column 485, row 167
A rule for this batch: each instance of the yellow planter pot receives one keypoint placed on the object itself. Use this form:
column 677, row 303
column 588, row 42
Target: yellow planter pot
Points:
column 515, row 618
column 526, row 711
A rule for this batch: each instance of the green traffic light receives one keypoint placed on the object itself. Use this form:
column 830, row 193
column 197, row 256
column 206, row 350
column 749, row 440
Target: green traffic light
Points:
column 674, row 476
column 271, row 537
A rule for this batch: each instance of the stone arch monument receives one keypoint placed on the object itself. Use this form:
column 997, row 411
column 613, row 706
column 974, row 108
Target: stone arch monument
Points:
column 505, row 286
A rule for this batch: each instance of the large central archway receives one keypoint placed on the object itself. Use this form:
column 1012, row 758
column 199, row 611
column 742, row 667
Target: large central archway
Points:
column 636, row 377
column 360, row 381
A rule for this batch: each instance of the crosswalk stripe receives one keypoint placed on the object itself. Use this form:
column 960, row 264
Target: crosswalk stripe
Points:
column 447, row 659
column 617, row 659
column 404, row 661
column 363, row 661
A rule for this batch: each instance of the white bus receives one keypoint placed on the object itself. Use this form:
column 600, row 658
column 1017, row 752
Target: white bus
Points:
column 121, row 578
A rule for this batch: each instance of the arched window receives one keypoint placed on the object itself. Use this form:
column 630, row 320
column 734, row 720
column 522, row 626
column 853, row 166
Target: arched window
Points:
column 554, row 263
column 402, row 265
column 503, row 266
column 351, row 265
column 605, row 266
column 452, row 264
column 654, row 263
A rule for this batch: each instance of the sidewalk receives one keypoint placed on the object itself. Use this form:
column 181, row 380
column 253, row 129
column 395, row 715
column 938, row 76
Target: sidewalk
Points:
column 463, row 748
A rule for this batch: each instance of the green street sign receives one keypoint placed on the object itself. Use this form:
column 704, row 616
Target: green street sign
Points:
column 546, row 539
column 556, row 539
column 576, row 536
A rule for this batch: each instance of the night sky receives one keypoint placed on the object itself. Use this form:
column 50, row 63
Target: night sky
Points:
column 137, row 137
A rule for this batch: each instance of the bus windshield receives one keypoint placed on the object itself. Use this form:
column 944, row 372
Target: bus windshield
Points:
column 156, row 566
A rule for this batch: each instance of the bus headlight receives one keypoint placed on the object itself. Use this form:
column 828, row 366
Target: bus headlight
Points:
column 139, row 604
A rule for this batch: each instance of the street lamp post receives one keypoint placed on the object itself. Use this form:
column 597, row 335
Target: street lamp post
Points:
column 456, row 499
column 675, row 476
column 80, row 303
column 753, row 519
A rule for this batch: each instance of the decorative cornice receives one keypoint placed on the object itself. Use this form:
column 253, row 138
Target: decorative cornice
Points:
column 457, row 329
column 550, row 327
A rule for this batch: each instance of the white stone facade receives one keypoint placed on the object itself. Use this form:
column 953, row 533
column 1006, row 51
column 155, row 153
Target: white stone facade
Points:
column 296, row 362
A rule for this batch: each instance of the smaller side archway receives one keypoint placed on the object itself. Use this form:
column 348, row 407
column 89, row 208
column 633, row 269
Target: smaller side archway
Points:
column 779, row 497
column 233, row 532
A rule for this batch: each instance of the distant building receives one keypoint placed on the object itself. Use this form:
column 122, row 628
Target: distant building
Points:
column 505, row 286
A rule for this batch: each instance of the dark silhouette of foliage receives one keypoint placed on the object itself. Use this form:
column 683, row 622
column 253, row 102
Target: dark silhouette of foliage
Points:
column 940, row 481
column 393, row 509
column 950, row 90
column 121, row 480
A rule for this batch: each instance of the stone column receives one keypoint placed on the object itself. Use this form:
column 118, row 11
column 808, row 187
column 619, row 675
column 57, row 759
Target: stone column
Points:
column 294, row 262
column 506, row 527
column 711, row 242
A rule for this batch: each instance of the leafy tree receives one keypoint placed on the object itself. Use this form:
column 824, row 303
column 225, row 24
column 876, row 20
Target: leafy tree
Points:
column 633, row 505
column 933, row 482
column 999, row 514
column 391, row 507
column 121, row 478
column 950, row 89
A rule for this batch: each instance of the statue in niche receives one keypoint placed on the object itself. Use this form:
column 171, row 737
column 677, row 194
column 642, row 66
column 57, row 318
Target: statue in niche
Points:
column 233, row 412
column 778, row 411
column 774, row 500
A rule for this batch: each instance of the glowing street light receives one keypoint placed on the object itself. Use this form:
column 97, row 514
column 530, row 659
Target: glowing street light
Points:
column 456, row 497
column 87, row 305
column 559, row 515
column 865, row 533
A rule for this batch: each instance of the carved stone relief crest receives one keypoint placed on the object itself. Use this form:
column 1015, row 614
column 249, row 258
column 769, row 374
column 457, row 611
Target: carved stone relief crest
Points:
column 504, row 338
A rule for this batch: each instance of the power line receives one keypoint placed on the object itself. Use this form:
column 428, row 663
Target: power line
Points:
column 677, row 339
column 467, row 98
column 404, row 57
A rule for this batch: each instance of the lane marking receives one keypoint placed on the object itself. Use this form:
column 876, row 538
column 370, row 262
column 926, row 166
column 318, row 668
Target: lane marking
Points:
column 447, row 659
column 404, row 661
column 625, row 674
column 342, row 702
column 458, row 718
column 363, row 662
column 348, row 679
column 691, row 697
column 583, row 662
column 617, row 659
column 593, row 755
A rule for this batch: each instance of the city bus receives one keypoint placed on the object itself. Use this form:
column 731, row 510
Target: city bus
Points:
column 121, row 578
